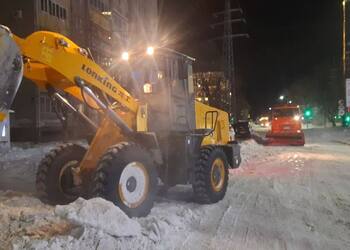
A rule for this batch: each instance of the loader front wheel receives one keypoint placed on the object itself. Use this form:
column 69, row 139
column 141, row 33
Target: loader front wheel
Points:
column 55, row 174
column 210, row 175
column 127, row 177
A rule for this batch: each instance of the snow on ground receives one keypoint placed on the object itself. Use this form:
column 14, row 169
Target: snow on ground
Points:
column 18, row 167
column 281, row 198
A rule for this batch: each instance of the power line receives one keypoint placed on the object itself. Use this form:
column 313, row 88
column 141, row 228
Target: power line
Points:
column 228, row 53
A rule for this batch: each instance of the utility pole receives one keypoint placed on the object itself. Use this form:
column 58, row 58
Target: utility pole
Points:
column 229, row 66
column 228, row 53
column 345, row 53
column 344, row 3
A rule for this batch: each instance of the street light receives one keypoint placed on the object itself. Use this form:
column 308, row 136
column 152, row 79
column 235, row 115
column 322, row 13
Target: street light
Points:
column 344, row 2
column 281, row 97
column 106, row 13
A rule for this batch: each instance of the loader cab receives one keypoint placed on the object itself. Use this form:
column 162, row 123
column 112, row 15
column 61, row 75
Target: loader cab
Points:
column 165, row 85
column 164, row 82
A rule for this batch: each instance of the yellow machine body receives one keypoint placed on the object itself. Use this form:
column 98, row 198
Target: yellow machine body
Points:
column 51, row 58
column 219, row 121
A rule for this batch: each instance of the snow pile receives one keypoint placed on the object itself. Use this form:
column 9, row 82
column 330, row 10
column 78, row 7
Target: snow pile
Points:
column 250, row 150
column 79, row 238
column 25, row 216
column 26, row 223
column 95, row 224
column 101, row 215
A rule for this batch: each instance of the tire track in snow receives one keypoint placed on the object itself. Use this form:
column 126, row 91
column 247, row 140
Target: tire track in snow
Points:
column 208, row 226
column 238, row 232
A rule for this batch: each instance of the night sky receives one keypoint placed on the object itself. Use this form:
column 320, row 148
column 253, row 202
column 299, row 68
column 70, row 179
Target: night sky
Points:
column 287, row 39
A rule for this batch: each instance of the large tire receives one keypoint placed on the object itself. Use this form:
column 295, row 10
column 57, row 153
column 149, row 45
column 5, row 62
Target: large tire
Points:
column 210, row 175
column 54, row 179
column 127, row 177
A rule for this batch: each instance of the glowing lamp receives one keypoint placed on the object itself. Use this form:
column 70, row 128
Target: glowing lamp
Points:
column 147, row 88
column 150, row 51
column 297, row 118
column 125, row 56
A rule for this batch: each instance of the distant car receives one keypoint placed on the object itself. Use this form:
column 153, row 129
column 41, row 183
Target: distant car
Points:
column 264, row 121
column 242, row 130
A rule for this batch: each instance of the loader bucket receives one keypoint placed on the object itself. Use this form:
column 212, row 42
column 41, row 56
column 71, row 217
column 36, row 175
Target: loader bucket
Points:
column 11, row 70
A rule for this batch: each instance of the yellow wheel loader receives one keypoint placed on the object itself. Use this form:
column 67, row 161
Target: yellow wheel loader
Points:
column 158, row 134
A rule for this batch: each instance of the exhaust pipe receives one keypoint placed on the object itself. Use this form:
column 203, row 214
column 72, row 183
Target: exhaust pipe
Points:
column 11, row 70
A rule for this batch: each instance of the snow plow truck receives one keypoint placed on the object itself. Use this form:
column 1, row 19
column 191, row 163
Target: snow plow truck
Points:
column 286, row 127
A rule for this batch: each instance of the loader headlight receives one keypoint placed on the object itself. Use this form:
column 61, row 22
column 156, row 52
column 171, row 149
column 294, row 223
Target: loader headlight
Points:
column 150, row 51
column 125, row 56
column 147, row 88
column 297, row 117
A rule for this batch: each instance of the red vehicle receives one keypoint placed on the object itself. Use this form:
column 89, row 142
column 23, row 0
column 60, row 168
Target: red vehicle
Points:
column 286, row 128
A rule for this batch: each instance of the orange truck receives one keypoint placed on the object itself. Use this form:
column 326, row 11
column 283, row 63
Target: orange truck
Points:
column 286, row 127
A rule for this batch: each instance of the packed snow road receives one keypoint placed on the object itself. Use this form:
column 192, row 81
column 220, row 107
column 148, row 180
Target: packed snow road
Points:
column 281, row 198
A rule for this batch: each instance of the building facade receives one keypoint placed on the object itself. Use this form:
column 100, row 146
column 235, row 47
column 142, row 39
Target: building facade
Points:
column 34, row 113
column 143, row 23
column 104, row 27
column 212, row 88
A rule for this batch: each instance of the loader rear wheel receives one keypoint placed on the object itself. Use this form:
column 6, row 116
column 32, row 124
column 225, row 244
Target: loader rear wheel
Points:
column 210, row 175
column 127, row 177
column 54, row 179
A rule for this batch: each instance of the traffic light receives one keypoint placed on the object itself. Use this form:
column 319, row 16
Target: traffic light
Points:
column 347, row 119
column 308, row 113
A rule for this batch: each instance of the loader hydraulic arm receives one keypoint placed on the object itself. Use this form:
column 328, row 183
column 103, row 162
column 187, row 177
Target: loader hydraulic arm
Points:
column 52, row 59
column 54, row 63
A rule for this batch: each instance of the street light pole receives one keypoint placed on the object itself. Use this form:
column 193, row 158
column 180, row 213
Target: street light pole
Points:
column 344, row 2
column 344, row 56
